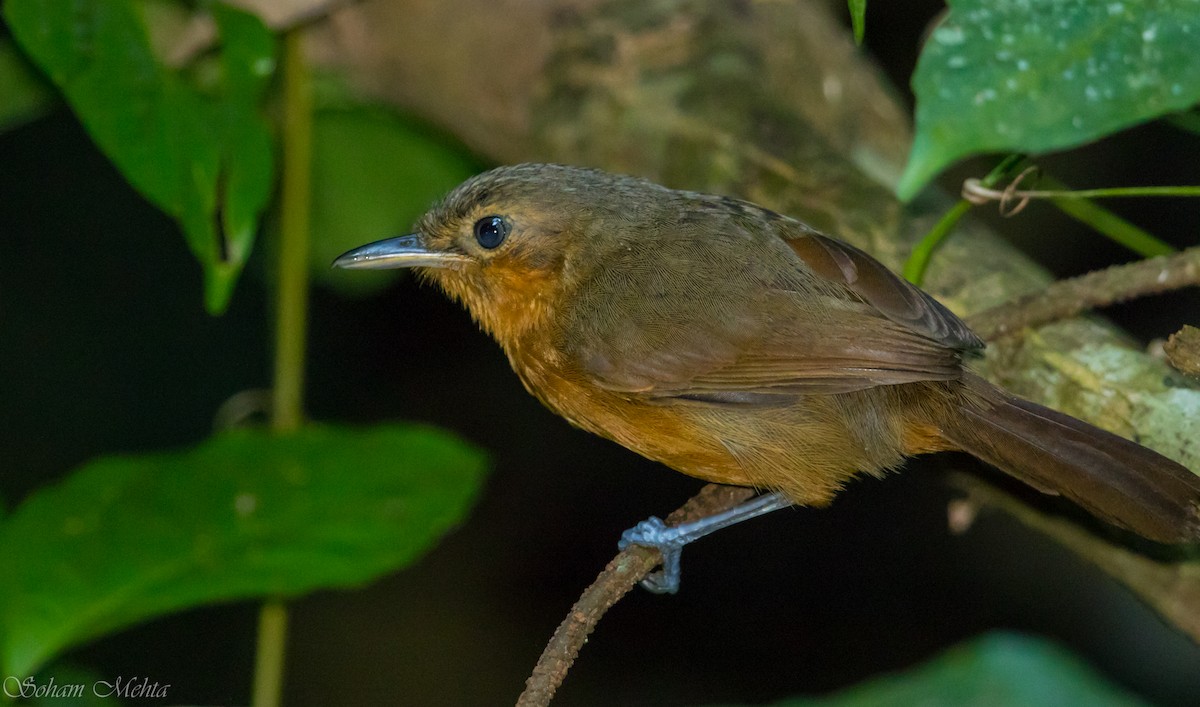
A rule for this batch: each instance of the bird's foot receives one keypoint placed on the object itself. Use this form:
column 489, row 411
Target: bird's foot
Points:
column 669, row 540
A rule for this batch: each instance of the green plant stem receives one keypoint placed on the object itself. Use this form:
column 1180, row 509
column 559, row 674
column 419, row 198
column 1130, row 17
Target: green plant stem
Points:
column 1112, row 192
column 287, row 408
column 858, row 19
column 1077, row 205
column 918, row 261
column 291, row 322
column 914, row 269
column 268, row 659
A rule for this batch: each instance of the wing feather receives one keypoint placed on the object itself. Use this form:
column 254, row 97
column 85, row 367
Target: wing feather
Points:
column 697, row 320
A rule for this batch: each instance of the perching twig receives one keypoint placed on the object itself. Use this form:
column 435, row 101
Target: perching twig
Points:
column 1067, row 298
column 623, row 573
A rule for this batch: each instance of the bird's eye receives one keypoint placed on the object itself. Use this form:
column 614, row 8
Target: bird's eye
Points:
column 490, row 231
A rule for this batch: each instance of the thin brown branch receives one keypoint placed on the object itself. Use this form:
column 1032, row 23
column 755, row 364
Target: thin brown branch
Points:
column 622, row 574
column 1068, row 298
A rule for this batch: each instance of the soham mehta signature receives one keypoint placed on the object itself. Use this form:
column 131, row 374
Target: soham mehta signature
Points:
column 120, row 687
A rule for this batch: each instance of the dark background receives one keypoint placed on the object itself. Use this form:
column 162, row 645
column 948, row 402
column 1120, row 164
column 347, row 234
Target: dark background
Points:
column 105, row 348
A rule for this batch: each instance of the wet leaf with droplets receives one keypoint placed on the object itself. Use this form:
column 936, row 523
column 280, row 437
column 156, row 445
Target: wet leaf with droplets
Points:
column 1034, row 76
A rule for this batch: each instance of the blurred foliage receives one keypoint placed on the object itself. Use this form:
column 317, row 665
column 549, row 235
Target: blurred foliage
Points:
column 996, row 670
column 243, row 514
column 202, row 154
column 374, row 173
column 1189, row 121
column 24, row 96
column 1032, row 76
column 858, row 18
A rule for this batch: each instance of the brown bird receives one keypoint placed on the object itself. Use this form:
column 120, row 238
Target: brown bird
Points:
column 744, row 347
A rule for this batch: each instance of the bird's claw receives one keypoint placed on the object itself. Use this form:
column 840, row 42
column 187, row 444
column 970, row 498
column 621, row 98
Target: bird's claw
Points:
column 669, row 541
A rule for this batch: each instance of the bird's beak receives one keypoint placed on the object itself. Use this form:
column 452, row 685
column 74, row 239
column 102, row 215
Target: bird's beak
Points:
column 401, row 252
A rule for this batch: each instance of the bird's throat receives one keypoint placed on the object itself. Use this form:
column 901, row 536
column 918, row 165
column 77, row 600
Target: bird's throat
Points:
column 508, row 305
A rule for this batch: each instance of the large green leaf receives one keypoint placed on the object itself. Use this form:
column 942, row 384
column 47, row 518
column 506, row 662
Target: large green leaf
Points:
column 1032, row 76
column 204, row 157
column 997, row 670
column 244, row 514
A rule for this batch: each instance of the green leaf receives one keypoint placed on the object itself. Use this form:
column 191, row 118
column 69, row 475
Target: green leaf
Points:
column 247, row 63
column 1032, row 76
column 205, row 158
column 374, row 174
column 24, row 96
column 858, row 19
column 997, row 670
column 244, row 514
column 1189, row 121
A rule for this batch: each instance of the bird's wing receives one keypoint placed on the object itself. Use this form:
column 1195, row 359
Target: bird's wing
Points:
column 893, row 296
column 810, row 316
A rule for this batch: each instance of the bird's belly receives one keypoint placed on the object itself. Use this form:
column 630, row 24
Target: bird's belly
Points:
column 654, row 431
column 801, row 449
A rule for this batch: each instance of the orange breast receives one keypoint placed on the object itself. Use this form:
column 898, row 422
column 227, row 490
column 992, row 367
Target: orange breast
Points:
column 657, row 432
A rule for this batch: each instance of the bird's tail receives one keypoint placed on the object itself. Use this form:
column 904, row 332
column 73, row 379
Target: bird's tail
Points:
column 1116, row 480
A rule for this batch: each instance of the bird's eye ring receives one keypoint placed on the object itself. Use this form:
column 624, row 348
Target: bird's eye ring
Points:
column 490, row 231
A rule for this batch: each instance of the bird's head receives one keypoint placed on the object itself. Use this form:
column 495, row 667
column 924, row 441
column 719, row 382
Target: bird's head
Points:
column 509, row 243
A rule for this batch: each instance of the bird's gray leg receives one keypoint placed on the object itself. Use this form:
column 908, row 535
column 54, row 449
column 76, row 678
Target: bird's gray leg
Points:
column 669, row 540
